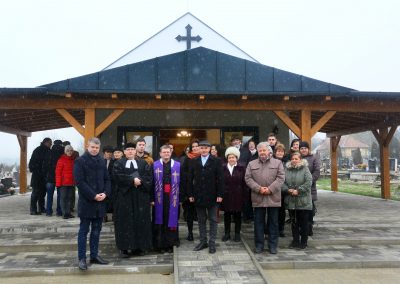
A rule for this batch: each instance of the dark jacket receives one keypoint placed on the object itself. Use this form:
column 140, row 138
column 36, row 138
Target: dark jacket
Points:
column 235, row 189
column 36, row 165
column 49, row 166
column 314, row 165
column 245, row 156
column 206, row 183
column 91, row 177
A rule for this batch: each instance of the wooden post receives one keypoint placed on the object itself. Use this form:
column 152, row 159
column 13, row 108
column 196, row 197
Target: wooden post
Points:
column 90, row 124
column 384, row 137
column 334, row 176
column 23, row 163
column 305, row 126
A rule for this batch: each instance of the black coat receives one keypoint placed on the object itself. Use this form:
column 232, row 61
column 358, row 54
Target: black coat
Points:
column 235, row 190
column 91, row 177
column 36, row 165
column 50, row 163
column 132, row 218
column 245, row 156
column 206, row 183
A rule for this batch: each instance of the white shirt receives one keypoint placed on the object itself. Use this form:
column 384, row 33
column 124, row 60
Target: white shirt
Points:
column 129, row 162
column 230, row 168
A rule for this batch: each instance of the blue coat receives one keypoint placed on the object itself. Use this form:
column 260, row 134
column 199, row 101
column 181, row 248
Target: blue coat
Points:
column 91, row 177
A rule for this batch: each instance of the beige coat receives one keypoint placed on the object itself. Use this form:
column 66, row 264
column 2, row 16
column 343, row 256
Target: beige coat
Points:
column 269, row 173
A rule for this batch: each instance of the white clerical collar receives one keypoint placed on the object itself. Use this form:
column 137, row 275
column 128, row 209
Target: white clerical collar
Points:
column 172, row 162
column 129, row 162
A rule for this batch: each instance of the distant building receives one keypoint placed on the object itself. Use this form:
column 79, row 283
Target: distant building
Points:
column 347, row 144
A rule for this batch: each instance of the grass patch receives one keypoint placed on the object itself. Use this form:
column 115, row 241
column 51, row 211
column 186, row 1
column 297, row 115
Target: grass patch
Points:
column 353, row 187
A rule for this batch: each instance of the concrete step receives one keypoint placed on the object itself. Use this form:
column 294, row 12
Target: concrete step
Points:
column 65, row 263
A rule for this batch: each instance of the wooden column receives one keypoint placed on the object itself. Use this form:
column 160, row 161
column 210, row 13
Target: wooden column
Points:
column 334, row 176
column 305, row 126
column 23, row 162
column 90, row 124
column 383, row 136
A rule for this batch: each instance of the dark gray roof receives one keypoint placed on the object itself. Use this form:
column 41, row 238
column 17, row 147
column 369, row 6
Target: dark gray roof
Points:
column 199, row 70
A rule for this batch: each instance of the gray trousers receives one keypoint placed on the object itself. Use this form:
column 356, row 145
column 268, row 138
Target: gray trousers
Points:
column 202, row 214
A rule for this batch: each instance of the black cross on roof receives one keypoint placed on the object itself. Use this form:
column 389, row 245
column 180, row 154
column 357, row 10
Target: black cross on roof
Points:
column 188, row 38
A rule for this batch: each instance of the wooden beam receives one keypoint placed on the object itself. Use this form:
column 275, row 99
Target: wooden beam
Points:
column 334, row 142
column 74, row 123
column 215, row 104
column 90, row 124
column 289, row 122
column 305, row 126
column 377, row 136
column 23, row 163
column 106, row 123
column 15, row 131
column 321, row 122
column 367, row 127
column 389, row 136
column 384, row 159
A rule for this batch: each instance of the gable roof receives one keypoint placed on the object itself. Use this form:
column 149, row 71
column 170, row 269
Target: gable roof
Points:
column 198, row 70
column 164, row 42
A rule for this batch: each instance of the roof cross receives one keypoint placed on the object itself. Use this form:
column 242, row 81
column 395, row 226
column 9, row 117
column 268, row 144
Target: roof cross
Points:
column 188, row 38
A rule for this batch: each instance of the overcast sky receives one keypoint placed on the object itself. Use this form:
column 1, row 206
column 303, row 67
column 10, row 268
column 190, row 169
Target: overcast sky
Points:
column 345, row 42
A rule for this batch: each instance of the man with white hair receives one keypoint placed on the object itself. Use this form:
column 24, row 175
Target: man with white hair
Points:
column 265, row 177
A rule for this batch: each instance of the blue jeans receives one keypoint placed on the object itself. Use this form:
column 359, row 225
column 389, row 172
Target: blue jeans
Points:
column 259, row 226
column 96, row 224
column 49, row 204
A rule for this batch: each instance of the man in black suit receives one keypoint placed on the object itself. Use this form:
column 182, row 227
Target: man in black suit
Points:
column 205, row 190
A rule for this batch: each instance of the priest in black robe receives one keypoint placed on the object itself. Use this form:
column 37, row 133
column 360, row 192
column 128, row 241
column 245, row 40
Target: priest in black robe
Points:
column 167, row 180
column 132, row 212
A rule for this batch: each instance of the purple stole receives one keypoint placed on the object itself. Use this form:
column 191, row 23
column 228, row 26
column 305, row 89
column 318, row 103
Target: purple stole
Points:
column 173, row 196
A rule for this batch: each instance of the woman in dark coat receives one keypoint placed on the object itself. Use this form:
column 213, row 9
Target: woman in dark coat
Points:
column 234, row 194
column 132, row 219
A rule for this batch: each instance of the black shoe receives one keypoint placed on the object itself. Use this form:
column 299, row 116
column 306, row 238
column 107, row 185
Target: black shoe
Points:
column 258, row 250
column 293, row 245
column 82, row 264
column 190, row 237
column 273, row 251
column 70, row 216
column 302, row 246
column 124, row 254
column 226, row 237
column 211, row 249
column 237, row 237
column 65, row 217
column 35, row 213
column 200, row 246
column 98, row 260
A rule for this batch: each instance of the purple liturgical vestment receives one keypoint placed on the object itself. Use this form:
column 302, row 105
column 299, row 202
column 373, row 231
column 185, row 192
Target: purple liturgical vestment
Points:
column 159, row 193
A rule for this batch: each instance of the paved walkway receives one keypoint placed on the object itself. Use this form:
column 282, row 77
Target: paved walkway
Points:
column 350, row 232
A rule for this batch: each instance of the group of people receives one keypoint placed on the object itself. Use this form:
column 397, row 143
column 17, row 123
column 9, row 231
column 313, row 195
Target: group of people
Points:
column 51, row 166
column 256, row 182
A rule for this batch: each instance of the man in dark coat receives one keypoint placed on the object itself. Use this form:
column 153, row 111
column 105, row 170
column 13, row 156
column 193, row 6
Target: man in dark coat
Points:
column 94, row 186
column 205, row 190
column 57, row 150
column 38, row 181
column 132, row 220
column 109, row 161
column 167, row 196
